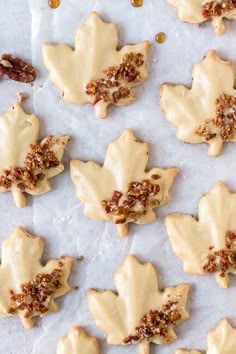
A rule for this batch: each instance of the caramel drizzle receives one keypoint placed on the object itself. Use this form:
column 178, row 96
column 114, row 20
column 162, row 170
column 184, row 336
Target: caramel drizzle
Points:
column 224, row 259
column 137, row 3
column 156, row 323
column 53, row 3
column 139, row 197
column 112, row 88
column 225, row 120
column 38, row 159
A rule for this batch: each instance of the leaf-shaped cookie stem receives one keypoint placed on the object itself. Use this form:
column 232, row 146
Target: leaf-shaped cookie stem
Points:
column 194, row 240
column 77, row 342
column 197, row 113
column 21, row 263
column 19, row 134
column 221, row 339
column 119, row 314
column 95, row 53
column 125, row 164
column 196, row 11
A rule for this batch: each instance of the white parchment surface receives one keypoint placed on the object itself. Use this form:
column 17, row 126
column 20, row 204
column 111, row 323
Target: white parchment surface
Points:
column 58, row 216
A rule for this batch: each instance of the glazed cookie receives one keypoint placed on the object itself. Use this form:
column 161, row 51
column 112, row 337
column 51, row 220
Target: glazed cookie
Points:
column 28, row 288
column 220, row 340
column 207, row 245
column 25, row 165
column 121, row 190
column 139, row 314
column 99, row 73
column 77, row 342
column 207, row 111
column 198, row 11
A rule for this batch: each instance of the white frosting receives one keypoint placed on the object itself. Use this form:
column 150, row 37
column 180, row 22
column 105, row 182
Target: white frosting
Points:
column 21, row 261
column 220, row 340
column 77, row 342
column 119, row 314
column 18, row 130
column 187, row 109
column 191, row 238
column 95, row 51
column 125, row 162
column 191, row 11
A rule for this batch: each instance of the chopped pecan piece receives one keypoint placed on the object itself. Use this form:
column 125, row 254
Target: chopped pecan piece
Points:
column 117, row 76
column 222, row 260
column 139, row 196
column 155, row 323
column 216, row 8
column 16, row 69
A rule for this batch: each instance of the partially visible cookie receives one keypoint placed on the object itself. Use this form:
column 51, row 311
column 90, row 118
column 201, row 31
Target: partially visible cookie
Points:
column 220, row 340
column 121, row 190
column 139, row 313
column 28, row 288
column 205, row 113
column 198, row 11
column 207, row 245
column 77, row 342
column 25, row 164
column 95, row 71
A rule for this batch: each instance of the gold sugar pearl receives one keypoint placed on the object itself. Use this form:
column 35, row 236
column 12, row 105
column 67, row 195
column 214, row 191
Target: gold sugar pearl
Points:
column 160, row 37
column 53, row 3
column 137, row 3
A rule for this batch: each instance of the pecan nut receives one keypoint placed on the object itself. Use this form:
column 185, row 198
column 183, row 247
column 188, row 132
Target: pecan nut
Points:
column 16, row 69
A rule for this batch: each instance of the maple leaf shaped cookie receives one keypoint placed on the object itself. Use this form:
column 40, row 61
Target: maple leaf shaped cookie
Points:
column 121, row 190
column 207, row 111
column 77, row 342
column 25, row 165
column 95, row 71
column 140, row 313
column 28, row 288
column 198, row 11
column 207, row 245
column 220, row 340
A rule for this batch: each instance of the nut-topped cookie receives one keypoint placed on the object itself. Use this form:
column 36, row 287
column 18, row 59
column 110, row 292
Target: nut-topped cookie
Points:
column 207, row 245
column 121, row 190
column 25, row 164
column 97, row 73
column 28, row 288
column 140, row 313
column 205, row 113
column 198, row 11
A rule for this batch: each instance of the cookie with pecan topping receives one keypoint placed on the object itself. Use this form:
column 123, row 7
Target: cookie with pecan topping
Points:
column 198, row 11
column 95, row 71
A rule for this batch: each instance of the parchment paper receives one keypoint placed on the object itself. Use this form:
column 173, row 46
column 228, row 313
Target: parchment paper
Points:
column 58, row 216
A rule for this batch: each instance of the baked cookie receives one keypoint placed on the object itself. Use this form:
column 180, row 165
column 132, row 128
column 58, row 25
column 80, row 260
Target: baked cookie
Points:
column 140, row 313
column 28, row 288
column 97, row 73
column 207, row 111
column 198, row 11
column 207, row 245
column 77, row 342
column 25, row 165
column 220, row 340
column 121, row 190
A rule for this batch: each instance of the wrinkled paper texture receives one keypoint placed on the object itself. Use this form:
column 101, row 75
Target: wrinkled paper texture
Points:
column 58, row 216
